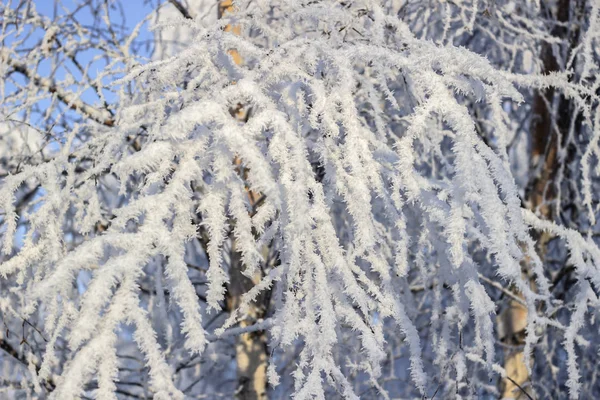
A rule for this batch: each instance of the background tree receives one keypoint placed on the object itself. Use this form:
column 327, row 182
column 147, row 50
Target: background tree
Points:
column 403, row 172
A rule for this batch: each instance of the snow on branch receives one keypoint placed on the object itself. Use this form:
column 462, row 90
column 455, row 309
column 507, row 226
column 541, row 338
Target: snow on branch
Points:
column 373, row 171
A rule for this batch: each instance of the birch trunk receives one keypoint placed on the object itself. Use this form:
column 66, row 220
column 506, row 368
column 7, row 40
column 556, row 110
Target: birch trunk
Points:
column 552, row 116
column 251, row 350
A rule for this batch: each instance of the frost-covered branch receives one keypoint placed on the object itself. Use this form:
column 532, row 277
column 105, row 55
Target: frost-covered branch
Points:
column 383, row 149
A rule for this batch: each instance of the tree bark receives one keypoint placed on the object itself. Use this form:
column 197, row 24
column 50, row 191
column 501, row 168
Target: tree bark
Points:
column 551, row 119
column 251, row 349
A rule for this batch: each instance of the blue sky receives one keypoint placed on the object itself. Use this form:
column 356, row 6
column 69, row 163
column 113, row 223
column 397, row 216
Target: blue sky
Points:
column 134, row 11
column 129, row 15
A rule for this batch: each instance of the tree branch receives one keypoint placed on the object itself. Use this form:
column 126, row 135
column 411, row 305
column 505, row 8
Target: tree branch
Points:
column 184, row 11
column 101, row 116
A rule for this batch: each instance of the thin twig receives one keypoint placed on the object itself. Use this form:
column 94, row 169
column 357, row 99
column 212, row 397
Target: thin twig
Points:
column 520, row 388
column 181, row 9
column 502, row 289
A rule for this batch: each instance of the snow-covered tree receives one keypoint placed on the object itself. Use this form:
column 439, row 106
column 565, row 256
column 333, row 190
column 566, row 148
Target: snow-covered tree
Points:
column 307, row 199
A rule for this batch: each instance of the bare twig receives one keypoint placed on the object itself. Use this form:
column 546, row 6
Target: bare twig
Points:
column 184, row 11
column 520, row 387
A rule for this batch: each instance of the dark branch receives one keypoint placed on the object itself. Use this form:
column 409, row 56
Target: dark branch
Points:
column 184, row 11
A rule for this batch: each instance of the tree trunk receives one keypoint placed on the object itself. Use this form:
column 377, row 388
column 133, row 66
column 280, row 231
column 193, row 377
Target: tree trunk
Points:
column 552, row 116
column 251, row 351
column 250, row 348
